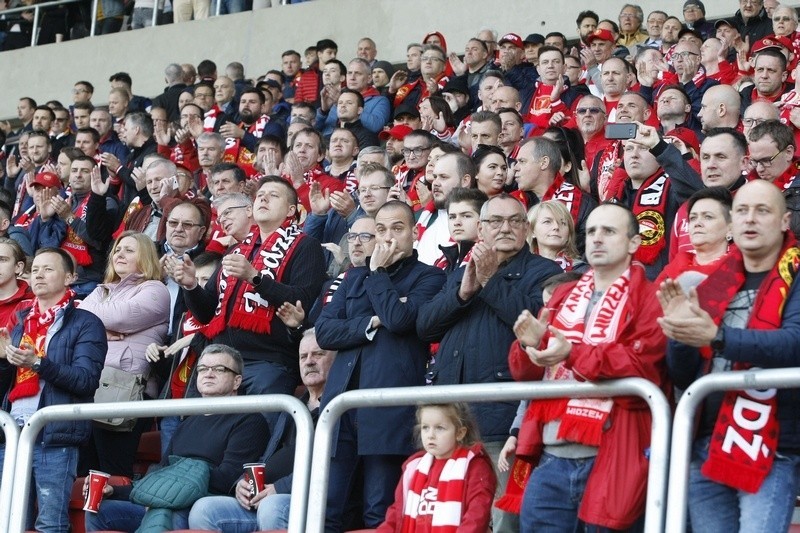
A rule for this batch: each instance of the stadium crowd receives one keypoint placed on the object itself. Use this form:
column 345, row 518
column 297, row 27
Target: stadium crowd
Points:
column 533, row 210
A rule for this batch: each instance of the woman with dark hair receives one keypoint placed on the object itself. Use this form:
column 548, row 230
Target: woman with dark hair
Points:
column 437, row 117
column 571, row 145
column 710, row 234
column 492, row 169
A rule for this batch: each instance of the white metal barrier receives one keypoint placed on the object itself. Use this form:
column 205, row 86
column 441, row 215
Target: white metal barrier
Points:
column 194, row 406
column 11, row 433
column 683, row 427
column 659, row 459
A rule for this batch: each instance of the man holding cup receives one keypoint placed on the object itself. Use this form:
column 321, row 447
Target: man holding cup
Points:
column 226, row 441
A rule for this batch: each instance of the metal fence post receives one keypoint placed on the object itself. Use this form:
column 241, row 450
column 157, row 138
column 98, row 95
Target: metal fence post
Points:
column 683, row 427
column 194, row 406
column 11, row 433
column 659, row 459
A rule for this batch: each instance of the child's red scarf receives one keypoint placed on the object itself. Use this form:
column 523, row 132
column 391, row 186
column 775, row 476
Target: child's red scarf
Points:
column 250, row 311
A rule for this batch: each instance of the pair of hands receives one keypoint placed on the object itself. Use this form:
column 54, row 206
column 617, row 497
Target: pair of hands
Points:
column 251, row 502
column 24, row 356
column 482, row 265
column 530, row 331
column 684, row 320
column 322, row 200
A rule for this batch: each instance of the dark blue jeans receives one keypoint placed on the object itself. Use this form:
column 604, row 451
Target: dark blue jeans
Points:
column 714, row 507
column 120, row 515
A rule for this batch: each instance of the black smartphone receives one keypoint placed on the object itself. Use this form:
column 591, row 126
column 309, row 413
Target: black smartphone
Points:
column 621, row 131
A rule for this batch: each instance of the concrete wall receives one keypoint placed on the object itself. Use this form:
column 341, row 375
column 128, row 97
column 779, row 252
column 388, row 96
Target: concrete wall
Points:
column 257, row 39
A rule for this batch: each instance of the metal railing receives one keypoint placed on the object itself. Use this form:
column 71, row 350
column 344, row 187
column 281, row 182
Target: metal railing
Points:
column 195, row 406
column 36, row 11
column 683, row 427
column 11, row 433
column 659, row 459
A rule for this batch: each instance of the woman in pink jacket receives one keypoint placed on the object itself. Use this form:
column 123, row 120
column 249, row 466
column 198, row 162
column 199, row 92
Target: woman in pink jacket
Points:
column 133, row 304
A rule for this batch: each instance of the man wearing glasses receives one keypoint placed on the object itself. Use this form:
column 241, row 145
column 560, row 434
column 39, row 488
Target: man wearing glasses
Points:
column 686, row 60
column 416, row 151
column 225, row 441
column 431, row 81
column 772, row 154
column 473, row 314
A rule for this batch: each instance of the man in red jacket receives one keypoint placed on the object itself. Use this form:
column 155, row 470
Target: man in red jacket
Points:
column 601, row 327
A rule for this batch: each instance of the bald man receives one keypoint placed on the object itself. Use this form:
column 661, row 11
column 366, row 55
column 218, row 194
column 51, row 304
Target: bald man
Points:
column 720, row 108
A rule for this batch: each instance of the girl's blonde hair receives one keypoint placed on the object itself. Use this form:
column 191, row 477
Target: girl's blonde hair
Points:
column 459, row 414
column 146, row 258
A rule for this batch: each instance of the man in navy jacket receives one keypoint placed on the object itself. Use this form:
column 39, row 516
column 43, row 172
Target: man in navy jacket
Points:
column 58, row 365
column 371, row 322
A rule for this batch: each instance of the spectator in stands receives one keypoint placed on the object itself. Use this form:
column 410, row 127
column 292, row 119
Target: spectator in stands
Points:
column 173, row 77
column 290, row 66
column 576, row 447
column 770, row 77
column 742, row 315
column 59, row 132
column 416, row 151
column 511, row 132
column 118, row 100
column 224, row 93
column 694, row 16
column 270, row 508
column 631, row 34
column 463, row 216
column 756, row 113
column 530, row 46
column 210, row 149
column 80, row 114
column 586, row 24
column 186, row 10
column 720, row 108
column 310, row 82
column 491, row 169
column 374, row 335
column 235, row 218
column 367, row 50
column 82, row 92
column 751, row 20
column 138, row 137
column 600, row 48
column 241, row 138
column 14, row 290
column 772, row 148
column 19, row 171
column 225, row 441
column 495, row 299
column 248, row 288
column 485, row 126
column 376, row 107
column 123, row 80
column 552, row 234
column 146, row 218
column 133, row 304
column 653, row 24
column 53, row 356
column 673, row 108
column 432, row 78
column 616, row 79
column 100, row 119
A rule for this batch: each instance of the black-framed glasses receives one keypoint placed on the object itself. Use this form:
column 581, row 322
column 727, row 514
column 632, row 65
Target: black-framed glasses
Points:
column 216, row 369
column 415, row 151
column 183, row 224
column 767, row 162
column 229, row 211
column 362, row 237
column 516, row 221
column 686, row 54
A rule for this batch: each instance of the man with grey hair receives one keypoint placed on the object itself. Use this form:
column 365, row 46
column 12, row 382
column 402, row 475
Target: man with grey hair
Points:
column 137, row 134
column 234, row 217
column 539, row 178
column 373, row 154
column 433, row 62
column 630, row 20
column 376, row 107
column 367, row 50
column 210, row 148
column 173, row 76
column 146, row 218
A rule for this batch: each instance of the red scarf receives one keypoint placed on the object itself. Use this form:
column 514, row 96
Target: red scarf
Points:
column 235, row 152
column 35, row 326
column 210, row 118
column 564, row 261
column 180, row 378
column 784, row 181
column 745, row 437
column 650, row 208
column 566, row 193
column 426, row 218
column 610, row 160
column 450, row 492
column 250, row 311
column 72, row 241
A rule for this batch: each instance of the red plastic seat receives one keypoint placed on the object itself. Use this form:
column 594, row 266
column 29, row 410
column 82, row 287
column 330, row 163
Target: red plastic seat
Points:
column 76, row 512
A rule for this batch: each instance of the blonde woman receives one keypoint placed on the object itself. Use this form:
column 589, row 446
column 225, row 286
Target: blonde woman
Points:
column 552, row 234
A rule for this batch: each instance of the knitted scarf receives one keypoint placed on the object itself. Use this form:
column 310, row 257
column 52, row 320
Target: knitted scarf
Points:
column 250, row 311
column 450, row 491
column 745, row 437
column 72, row 241
column 650, row 207
column 235, row 152
column 180, row 377
column 566, row 193
column 35, row 326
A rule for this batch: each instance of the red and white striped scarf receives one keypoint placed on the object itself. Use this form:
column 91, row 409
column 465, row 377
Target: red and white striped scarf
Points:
column 235, row 151
column 450, row 491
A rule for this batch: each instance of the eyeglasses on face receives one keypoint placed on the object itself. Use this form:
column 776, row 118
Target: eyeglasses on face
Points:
column 765, row 163
column 217, row 369
column 363, row 237
column 185, row 225
column 229, row 211
column 416, row 152
column 590, row 110
column 516, row 221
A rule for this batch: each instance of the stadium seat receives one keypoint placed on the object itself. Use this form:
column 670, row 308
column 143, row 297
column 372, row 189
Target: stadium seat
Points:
column 148, row 453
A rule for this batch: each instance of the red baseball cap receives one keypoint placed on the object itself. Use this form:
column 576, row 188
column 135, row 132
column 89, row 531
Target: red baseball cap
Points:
column 47, row 179
column 687, row 136
column 772, row 42
column 603, row 35
column 398, row 132
column 512, row 38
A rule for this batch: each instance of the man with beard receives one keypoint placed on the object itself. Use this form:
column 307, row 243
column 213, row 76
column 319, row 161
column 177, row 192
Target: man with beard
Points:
column 669, row 36
column 451, row 171
column 21, row 170
column 302, row 167
column 394, row 142
column 241, row 140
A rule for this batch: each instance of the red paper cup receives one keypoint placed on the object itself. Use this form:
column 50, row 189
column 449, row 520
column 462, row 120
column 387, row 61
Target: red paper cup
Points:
column 254, row 476
column 97, row 482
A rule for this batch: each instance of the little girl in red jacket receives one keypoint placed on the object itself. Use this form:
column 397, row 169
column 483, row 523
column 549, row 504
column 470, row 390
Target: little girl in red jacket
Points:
column 449, row 485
